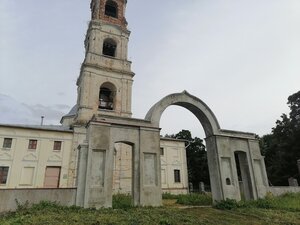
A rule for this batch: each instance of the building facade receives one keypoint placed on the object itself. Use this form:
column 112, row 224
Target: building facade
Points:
column 40, row 157
column 35, row 156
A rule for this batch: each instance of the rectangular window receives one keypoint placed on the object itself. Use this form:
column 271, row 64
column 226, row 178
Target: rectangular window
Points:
column 32, row 144
column 7, row 142
column 57, row 146
column 3, row 174
column 162, row 152
column 177, row 176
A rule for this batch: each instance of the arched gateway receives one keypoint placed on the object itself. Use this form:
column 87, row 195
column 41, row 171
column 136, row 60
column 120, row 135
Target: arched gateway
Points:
column 235, row 163
column 236, row 166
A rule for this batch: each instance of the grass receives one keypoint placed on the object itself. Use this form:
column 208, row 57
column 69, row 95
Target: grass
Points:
column 253, row 212
column 193, row 199
column 122, row 201
column 287, row 202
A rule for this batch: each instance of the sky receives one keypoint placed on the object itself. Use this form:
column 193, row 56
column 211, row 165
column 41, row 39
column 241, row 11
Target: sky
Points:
column 241, row 57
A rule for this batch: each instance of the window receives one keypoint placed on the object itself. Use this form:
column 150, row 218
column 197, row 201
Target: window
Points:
column 57, row 146
column 228, row 182
column 111, row 9
column 109, row 47
column 3, row 174
column 32, row 144
column 7, row 142
column 162, row 151
column 177, row 176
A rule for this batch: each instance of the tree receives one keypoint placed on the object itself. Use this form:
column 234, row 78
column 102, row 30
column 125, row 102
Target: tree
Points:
column 196, row 157
column 282, row 147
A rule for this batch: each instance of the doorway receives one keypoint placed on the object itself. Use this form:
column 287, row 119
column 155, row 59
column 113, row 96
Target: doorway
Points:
column 243, row 173
column 52, row 176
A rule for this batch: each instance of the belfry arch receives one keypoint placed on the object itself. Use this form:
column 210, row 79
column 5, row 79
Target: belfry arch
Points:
column 221, row 147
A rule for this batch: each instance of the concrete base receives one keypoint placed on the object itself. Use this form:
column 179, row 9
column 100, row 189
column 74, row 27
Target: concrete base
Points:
column 8, row 197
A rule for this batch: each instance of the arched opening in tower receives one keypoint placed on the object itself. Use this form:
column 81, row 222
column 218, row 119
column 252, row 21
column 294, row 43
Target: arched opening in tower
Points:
column 111, row 9
column 106, row 96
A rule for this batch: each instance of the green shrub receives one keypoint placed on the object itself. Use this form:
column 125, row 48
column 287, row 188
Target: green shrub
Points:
column 168, row 195
column 195, row 199
column 228, row 204
column 122, row 201
column 288, row 202
column 164, row 221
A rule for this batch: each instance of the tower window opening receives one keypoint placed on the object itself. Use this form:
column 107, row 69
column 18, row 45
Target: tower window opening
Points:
column 109, row 48
column 106, row 99
column 111, row 9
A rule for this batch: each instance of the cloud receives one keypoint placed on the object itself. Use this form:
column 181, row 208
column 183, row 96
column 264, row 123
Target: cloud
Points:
column 14, row 112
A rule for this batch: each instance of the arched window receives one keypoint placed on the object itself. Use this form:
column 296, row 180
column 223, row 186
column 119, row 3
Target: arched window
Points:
column 109, row 47
column 106, row 96
column 111, row 9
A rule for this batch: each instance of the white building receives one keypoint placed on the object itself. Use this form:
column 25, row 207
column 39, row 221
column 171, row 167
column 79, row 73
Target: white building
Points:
column 34, row 156
column 40, row 157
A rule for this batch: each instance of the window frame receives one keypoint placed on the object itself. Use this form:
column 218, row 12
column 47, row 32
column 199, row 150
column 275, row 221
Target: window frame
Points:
column 2, row 176
column 56, row 144
column 5, row 143
column 162, row 151
column 32, row 144
column 177, row 177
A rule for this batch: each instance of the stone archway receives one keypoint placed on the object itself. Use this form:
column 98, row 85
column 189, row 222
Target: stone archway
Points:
column 95, row 165
column 191, row 103
column 221, row 146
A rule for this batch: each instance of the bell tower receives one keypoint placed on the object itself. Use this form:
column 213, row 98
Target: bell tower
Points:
column 105, row 80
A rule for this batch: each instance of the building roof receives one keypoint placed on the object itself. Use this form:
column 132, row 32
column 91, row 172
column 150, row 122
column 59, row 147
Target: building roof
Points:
column 40, row 127
column 72, row 111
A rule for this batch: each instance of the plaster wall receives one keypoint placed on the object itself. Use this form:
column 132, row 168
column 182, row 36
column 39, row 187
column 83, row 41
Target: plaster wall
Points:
column 283, row 190
column 8, row 197
column 19, row 158
column 173, row 158
column 252, row 167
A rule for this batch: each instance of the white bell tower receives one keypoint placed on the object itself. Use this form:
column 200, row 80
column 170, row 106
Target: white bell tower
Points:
column 105, row 81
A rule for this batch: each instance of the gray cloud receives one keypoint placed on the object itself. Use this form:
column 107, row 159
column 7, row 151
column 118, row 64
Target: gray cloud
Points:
column 240, row 57
column 14, row 112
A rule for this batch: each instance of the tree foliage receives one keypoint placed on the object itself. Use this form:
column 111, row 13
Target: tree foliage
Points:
column 282, row 147
column 196, row 157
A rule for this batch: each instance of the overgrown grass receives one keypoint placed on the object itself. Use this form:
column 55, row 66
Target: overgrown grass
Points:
column 168, row 195
column 193, row 199
column 122, row 201
column 271, row 210
column 288, row 202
